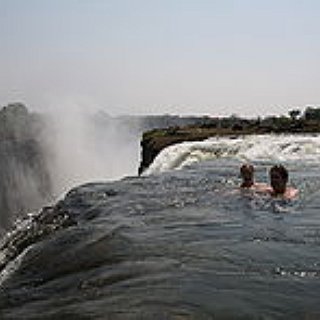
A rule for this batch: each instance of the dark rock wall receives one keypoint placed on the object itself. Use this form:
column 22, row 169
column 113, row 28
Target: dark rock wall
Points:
column 24, row 180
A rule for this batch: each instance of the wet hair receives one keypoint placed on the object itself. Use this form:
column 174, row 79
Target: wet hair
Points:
column 281, row 170
column 246, row 167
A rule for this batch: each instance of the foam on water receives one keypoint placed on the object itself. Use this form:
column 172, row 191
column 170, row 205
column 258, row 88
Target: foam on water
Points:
column 275, row 148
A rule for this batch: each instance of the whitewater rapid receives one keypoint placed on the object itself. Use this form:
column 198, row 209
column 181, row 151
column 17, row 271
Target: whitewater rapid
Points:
column 271, row 148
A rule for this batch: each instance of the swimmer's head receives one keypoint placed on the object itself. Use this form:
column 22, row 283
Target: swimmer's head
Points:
column 247, row 175
column 247, row 170
column 278, row 178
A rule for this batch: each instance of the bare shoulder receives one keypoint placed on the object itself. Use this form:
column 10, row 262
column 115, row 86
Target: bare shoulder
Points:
column 291, row 193
column 262, row 187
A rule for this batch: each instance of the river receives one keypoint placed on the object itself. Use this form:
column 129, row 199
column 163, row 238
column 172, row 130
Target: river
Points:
column 180, row 242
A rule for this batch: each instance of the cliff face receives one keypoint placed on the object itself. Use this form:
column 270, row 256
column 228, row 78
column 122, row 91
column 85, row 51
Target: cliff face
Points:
column 24, row 179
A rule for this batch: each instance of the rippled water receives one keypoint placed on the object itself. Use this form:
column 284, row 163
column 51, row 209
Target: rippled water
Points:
column 184, row 244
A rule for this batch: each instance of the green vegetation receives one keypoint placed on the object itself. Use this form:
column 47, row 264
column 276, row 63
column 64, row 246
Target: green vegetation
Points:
column 294, row 122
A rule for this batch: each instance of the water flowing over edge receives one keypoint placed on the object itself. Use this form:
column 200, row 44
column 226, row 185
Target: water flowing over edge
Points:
column 275, row 148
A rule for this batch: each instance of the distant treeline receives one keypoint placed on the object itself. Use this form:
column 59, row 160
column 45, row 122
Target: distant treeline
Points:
column 295, row 122
column 17, row 123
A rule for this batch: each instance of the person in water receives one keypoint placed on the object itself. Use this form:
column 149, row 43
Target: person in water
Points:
column 278, row 181
column 247, row 175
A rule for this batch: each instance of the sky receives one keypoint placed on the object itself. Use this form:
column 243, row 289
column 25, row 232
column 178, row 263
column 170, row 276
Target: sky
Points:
column 187, row 57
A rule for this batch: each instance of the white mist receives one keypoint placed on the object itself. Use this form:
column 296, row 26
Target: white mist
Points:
column 79, row 149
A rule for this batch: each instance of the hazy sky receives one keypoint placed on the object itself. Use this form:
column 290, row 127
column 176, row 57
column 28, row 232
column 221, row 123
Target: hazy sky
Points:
column 246, row 57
